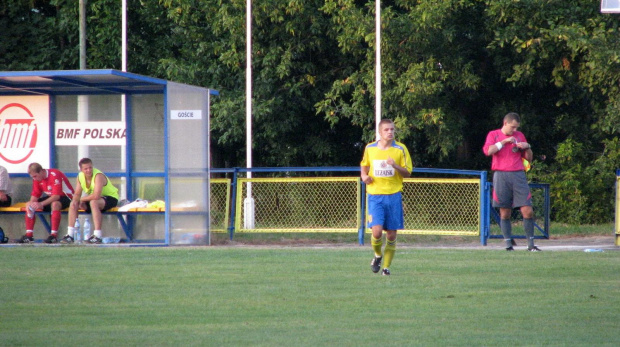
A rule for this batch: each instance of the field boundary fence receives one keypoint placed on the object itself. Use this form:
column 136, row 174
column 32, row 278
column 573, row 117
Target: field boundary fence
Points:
column 333, row 199
column 617, row 219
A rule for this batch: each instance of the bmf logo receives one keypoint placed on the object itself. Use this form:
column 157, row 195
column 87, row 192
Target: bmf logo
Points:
column 18, row 133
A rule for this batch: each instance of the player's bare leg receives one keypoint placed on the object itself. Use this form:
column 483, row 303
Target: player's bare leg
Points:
column 95, row 210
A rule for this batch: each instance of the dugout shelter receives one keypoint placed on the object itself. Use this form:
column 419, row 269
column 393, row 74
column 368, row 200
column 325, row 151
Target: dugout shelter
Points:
column 149, row 136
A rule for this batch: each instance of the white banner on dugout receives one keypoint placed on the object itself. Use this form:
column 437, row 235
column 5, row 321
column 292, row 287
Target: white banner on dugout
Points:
column 186, row 114
column 90, row 134
column 24, row 132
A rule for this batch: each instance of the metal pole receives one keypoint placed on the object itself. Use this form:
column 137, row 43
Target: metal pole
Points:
column 124, row 155
column 124, row 36
column 82, row 34
column 377, row 66
column 248, row 86
column 82, row 100
column 249, row 201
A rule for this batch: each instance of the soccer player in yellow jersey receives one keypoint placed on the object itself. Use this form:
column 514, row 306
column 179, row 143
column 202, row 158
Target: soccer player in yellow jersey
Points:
column 384, row 165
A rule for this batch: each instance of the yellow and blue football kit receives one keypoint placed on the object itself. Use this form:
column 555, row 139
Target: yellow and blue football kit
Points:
column 384, row 194
column 386, row 180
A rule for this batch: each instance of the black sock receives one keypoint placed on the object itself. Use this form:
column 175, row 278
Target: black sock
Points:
column 528, row 226
column 506, row 227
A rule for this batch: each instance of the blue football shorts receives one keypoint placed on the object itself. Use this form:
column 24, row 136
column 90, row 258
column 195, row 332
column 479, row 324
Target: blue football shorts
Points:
column 386, row 210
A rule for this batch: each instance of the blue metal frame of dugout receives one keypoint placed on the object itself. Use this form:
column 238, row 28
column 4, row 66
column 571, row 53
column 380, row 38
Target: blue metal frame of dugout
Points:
column 55, row 83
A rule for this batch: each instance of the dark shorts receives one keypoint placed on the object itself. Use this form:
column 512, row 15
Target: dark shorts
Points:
column 6, row 203
column 511, row 190
column 109, row 203
column 64, row 202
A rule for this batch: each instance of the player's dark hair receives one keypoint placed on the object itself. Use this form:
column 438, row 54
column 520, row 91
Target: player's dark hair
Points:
column 84, row 161
column 512, row 116
column 34, row 168
column 385, row 121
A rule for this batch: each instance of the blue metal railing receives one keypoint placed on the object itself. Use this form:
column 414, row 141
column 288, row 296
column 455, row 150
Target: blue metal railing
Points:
column 484, row 189
column 617, row 215
column 486, row 210
column 544, row 230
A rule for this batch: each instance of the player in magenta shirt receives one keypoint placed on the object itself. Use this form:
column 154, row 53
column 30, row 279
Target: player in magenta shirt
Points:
column 508, row 147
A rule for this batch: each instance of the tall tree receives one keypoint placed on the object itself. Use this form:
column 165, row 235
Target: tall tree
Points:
column 37, row 35
column 292, row 65
column 430, row 56
column 561, row 60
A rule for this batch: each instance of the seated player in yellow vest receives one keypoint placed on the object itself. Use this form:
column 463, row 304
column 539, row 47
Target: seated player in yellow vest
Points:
column 94, row 193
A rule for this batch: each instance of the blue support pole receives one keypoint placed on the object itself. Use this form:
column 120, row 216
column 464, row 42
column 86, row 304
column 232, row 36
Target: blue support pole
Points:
column 484, row 209
column 52, row 131
column 126, row 228
column 360, row 233
column 617, row 214
column 547, row 208
column 233, row 205
column 44, row 221
column 128, row 148
column 129, row 225
column 166, row 165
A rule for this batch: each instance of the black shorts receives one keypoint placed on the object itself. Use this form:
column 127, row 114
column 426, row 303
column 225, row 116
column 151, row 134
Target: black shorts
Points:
column 109, row 203
column 6, row 203
column 64, row 202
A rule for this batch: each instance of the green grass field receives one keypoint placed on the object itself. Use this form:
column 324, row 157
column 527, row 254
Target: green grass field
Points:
column 283, row 296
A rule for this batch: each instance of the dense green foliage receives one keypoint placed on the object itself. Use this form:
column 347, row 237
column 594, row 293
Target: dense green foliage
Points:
column 451, row 70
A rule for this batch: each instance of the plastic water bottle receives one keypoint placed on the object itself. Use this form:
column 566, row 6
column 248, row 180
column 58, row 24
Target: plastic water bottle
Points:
column 77, row 237
column 86, row 229
column 592, row 250
column 30, row 211
column 111, row 240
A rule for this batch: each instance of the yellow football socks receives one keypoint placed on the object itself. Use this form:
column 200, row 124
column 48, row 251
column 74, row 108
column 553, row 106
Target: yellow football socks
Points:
column 376, row 245
column 390, row 249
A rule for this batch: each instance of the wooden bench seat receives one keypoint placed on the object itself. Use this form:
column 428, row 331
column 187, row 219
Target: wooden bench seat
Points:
column 20, row 207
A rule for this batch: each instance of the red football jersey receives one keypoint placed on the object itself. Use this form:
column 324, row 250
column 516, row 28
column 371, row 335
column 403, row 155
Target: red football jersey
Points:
column 56, row 183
